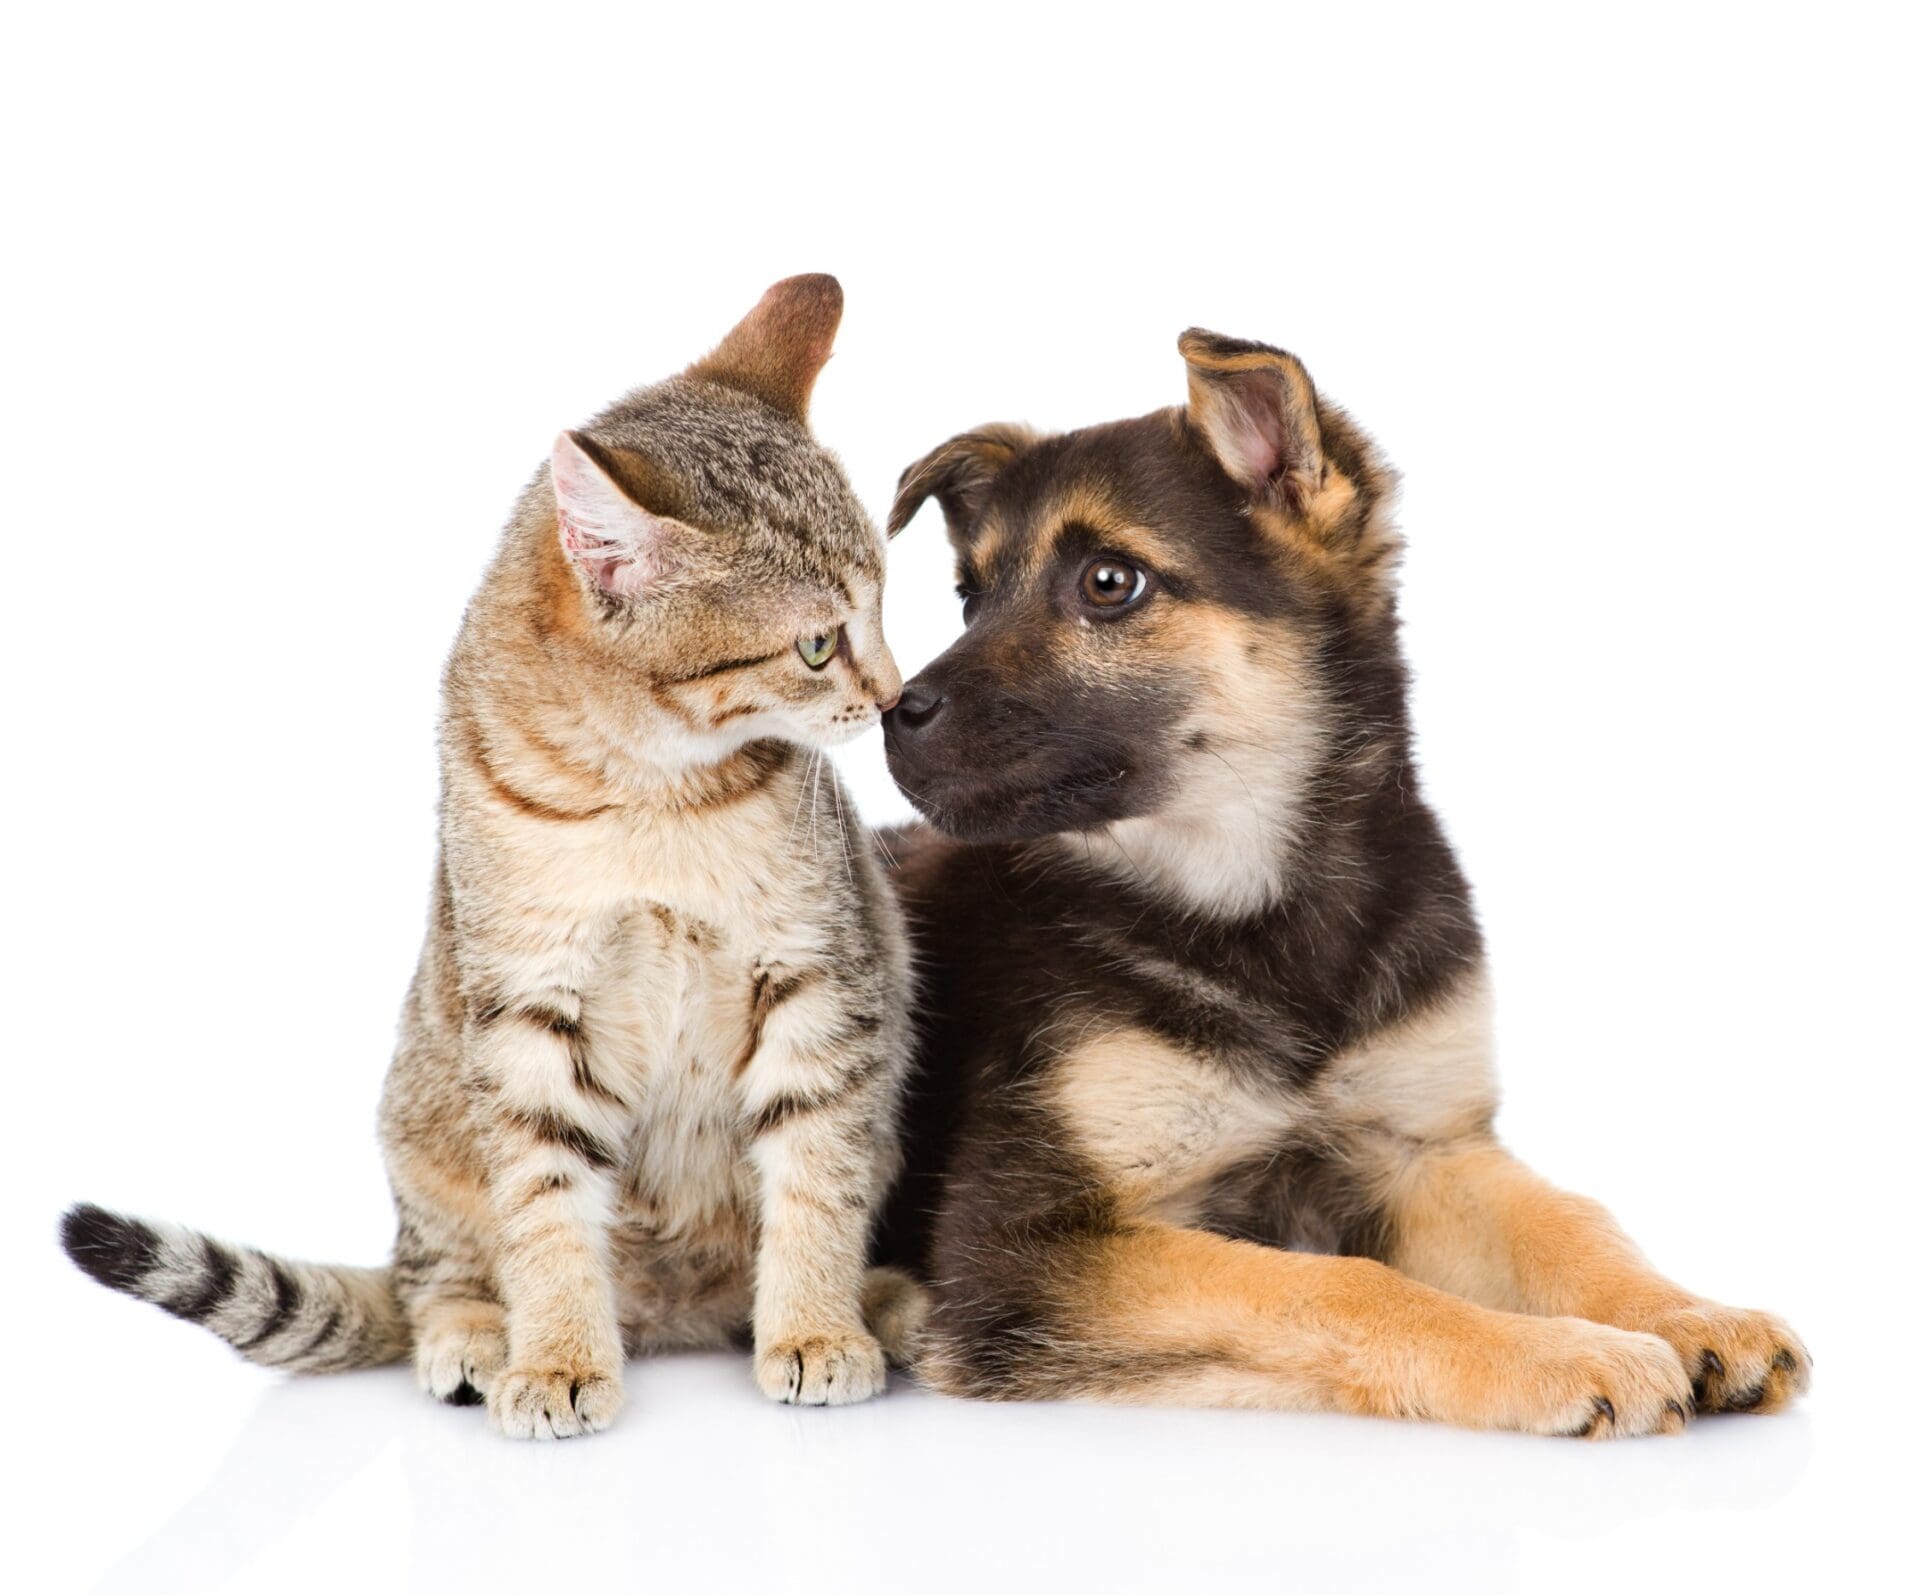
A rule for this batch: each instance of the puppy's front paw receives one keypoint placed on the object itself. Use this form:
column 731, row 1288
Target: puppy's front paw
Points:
column 553, row 1403
column 828, row 1370
column 1739, row 1361
column 1592, row 1381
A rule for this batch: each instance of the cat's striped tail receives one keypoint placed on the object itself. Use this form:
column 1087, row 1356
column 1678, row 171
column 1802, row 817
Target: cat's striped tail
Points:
column 307, row 1317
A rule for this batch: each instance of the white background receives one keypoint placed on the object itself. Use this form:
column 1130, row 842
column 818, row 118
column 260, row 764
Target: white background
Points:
column 294, row 304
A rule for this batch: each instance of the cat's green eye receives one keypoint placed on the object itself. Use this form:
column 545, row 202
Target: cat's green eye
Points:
column 818, row 648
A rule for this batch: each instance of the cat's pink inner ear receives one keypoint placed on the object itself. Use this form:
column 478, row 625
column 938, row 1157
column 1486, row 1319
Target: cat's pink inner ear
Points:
column 624, row 549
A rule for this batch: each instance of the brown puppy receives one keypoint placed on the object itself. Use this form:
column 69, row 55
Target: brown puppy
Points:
column 1205, row 1088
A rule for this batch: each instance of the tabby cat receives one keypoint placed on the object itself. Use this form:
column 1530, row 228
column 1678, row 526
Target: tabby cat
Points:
column 646, row 1083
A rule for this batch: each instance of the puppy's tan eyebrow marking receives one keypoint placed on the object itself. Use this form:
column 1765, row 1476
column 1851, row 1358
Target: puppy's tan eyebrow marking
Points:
column 1083, row 512
column 1077, row 543
column 985, row 550
column 1131, row 540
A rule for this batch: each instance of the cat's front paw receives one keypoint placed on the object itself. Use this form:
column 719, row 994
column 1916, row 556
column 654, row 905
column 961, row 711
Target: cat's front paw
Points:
column 827, row 1370
column 896, row 1310
column 459, row 1352
column 1739, row 1361
column 553, row 1403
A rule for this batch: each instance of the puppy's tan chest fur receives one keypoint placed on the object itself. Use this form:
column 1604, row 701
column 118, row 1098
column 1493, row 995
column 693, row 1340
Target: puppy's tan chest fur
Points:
column 1160, row 1126
column 1163, row 1128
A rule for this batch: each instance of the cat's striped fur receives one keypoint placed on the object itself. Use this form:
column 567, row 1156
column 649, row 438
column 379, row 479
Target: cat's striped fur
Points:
column 646, row 1083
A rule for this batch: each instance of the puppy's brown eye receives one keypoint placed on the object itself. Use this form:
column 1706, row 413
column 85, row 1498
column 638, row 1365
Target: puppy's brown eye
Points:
column 1111, row 583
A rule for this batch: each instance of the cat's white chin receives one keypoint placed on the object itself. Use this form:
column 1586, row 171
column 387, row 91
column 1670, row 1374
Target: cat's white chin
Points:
column 835, row 735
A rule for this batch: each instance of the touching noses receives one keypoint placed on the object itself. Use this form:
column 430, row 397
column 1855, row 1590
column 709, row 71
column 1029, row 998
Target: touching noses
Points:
column 883, row 680
column 915, row 707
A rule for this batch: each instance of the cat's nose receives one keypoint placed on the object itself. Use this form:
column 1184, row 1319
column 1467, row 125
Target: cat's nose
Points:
column 919, row 705
column 882, row 678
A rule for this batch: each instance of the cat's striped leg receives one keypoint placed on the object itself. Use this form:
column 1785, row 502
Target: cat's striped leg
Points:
column 821, row 1091
column 554, row 1147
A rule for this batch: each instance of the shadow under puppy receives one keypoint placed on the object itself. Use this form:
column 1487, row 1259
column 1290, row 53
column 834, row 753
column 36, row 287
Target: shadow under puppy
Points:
column 1204, row 1105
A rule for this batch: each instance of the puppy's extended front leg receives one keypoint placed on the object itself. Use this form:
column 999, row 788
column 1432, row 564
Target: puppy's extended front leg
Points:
column 1147, row 1313
column 820, row 1092
column 1473, row 1220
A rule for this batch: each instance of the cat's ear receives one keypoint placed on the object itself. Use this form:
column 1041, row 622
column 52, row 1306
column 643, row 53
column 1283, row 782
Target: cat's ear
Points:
column 777, row 351
column 960, row 474
column 1255, row 407
column 625, row 549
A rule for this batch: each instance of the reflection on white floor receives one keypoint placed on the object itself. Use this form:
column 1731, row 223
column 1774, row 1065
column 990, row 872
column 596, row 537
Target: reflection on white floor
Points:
column 357, row 1483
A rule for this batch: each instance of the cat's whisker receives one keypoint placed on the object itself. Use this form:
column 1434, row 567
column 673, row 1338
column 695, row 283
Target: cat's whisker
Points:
column 800, row 795
column 813, row 808
column 846, row 857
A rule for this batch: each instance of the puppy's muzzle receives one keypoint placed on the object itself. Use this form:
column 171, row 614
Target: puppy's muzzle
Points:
column 918, row 707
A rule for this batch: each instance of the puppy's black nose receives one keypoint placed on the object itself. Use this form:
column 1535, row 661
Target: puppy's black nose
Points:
column 918, row 706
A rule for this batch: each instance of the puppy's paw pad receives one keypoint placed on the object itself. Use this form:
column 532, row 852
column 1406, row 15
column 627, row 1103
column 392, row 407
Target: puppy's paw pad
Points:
column 1738, row 1360
column 828, row 1370
column 553, row 1403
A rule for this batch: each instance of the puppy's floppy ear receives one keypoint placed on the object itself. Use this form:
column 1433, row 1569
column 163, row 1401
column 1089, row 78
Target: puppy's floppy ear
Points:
column 777, row 351
column 1256, row 408
column 624, row 548
column 960, row 474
